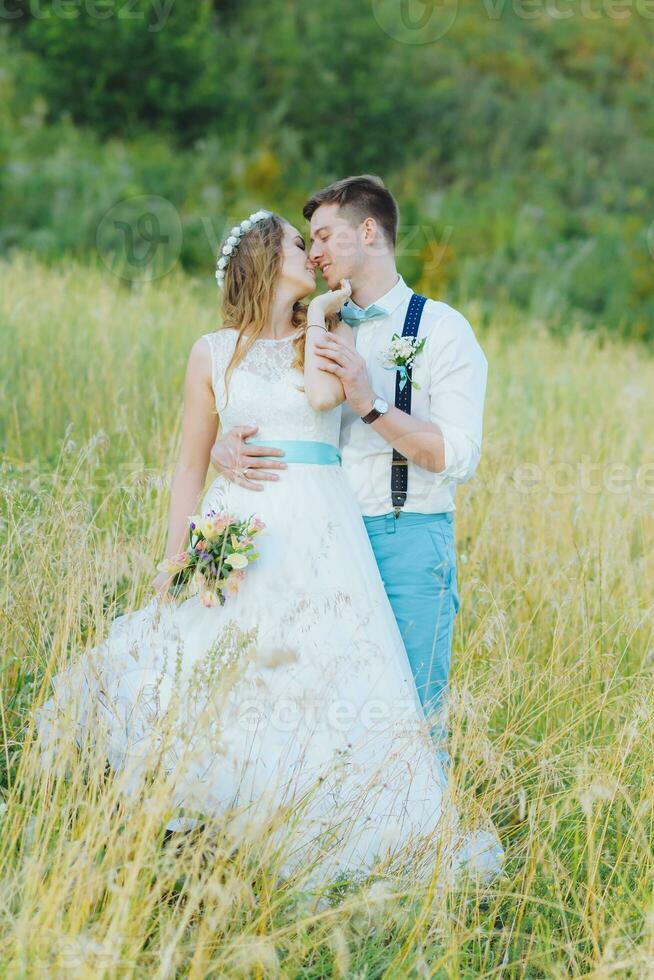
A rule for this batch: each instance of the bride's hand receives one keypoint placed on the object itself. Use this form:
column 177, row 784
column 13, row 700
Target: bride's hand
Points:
column 160, row 584
column 331, row 301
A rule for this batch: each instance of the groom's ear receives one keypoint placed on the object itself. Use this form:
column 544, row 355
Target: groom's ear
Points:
column 371, row 229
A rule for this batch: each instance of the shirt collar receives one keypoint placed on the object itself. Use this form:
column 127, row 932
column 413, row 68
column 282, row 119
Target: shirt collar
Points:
column 390, row 300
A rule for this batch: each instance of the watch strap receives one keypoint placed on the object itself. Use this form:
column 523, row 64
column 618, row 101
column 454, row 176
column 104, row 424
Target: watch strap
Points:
column 371, row 416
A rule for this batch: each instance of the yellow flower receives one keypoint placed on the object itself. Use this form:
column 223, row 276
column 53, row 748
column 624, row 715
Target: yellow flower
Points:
column 206, row 529
column 236, row 560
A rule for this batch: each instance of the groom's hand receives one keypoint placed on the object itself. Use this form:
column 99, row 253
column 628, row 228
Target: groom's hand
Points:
column 348, row 365
column 240, row 462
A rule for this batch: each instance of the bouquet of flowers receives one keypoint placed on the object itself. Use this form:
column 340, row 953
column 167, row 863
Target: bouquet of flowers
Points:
column 220, row 548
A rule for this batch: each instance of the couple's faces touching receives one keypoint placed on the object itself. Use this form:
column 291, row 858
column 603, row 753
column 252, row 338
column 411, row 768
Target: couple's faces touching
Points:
column 297, row 276
column 338, row 249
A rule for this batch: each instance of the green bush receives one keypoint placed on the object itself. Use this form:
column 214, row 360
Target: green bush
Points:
column 522, row 151
column 120, row 69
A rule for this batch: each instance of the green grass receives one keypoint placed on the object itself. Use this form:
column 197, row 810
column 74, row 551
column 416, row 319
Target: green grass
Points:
column 553, row 713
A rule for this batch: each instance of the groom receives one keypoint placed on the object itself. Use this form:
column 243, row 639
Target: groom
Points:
column 407, row 437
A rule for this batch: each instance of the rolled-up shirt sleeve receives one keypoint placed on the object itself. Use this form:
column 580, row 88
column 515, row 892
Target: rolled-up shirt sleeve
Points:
column 457, row 389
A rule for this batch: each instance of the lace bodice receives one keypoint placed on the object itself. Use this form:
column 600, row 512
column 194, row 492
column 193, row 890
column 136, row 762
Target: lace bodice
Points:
column 264, row 390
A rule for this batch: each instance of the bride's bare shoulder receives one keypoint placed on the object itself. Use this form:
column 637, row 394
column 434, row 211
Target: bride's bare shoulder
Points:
column 200, row 359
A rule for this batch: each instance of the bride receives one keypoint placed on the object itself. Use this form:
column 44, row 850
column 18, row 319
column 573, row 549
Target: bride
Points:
column 297, row 692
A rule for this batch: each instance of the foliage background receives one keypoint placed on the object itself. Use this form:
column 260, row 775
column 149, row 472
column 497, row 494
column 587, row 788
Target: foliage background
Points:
column 520, row 143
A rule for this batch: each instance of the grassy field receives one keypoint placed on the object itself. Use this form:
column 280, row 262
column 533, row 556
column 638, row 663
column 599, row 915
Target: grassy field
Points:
column 553, row 712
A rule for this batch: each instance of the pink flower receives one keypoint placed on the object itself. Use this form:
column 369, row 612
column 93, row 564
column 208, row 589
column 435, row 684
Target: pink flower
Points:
column 233, row 582
column 208, row 599
column 220, row 523
column 175, row 563
column 256, row 524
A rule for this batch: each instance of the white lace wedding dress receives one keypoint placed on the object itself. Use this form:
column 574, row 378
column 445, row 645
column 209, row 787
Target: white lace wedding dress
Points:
column 315, row 705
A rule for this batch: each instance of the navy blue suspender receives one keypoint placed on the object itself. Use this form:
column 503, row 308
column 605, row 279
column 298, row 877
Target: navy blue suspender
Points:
column 399, row 466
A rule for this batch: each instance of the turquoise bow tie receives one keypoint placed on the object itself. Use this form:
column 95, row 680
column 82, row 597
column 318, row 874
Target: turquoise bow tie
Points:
column 354, row 315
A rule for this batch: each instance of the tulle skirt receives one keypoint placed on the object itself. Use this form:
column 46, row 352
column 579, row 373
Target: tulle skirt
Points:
column 295, row 698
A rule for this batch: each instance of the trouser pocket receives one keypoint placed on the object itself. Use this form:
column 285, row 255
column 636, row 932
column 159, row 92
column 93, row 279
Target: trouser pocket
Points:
column 442, row 537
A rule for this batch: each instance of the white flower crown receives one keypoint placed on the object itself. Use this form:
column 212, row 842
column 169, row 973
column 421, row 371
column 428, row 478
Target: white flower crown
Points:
column 234, row 240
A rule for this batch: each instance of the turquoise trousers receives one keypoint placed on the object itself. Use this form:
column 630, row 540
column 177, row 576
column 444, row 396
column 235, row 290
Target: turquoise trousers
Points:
column 417, row 562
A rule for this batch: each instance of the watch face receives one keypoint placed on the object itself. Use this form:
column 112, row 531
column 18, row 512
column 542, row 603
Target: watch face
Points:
column 380, row 405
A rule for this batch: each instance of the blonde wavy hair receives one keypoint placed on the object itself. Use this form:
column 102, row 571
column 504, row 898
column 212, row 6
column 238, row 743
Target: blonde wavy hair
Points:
column 249, row 288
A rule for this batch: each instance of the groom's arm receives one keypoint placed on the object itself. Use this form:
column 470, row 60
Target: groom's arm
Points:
column 418, row 440
column 449, row 442
column 457, row 390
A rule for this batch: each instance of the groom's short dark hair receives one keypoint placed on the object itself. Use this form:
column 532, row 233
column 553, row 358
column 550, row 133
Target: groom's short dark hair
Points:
column 364, row 196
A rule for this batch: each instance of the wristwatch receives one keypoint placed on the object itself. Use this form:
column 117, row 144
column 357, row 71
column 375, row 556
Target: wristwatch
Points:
column 379, row 407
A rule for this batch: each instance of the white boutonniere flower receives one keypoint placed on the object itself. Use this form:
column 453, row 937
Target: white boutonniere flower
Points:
column 400, row 356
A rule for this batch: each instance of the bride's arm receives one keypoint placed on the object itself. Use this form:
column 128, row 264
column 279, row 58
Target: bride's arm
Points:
column 323, row 390
column 199, row 430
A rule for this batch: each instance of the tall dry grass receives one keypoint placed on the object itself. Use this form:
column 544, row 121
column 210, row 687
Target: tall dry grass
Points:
column 553, row 711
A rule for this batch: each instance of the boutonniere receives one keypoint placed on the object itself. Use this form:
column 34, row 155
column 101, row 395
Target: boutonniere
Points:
column 401, row 355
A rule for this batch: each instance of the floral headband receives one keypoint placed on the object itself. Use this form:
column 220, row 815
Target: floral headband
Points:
column 234, row 240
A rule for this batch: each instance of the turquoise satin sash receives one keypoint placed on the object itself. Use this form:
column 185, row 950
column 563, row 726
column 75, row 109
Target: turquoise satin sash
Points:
column 297, row 451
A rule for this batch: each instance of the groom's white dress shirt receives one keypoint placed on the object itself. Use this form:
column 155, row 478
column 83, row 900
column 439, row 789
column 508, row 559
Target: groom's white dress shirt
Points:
column 451, row 371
